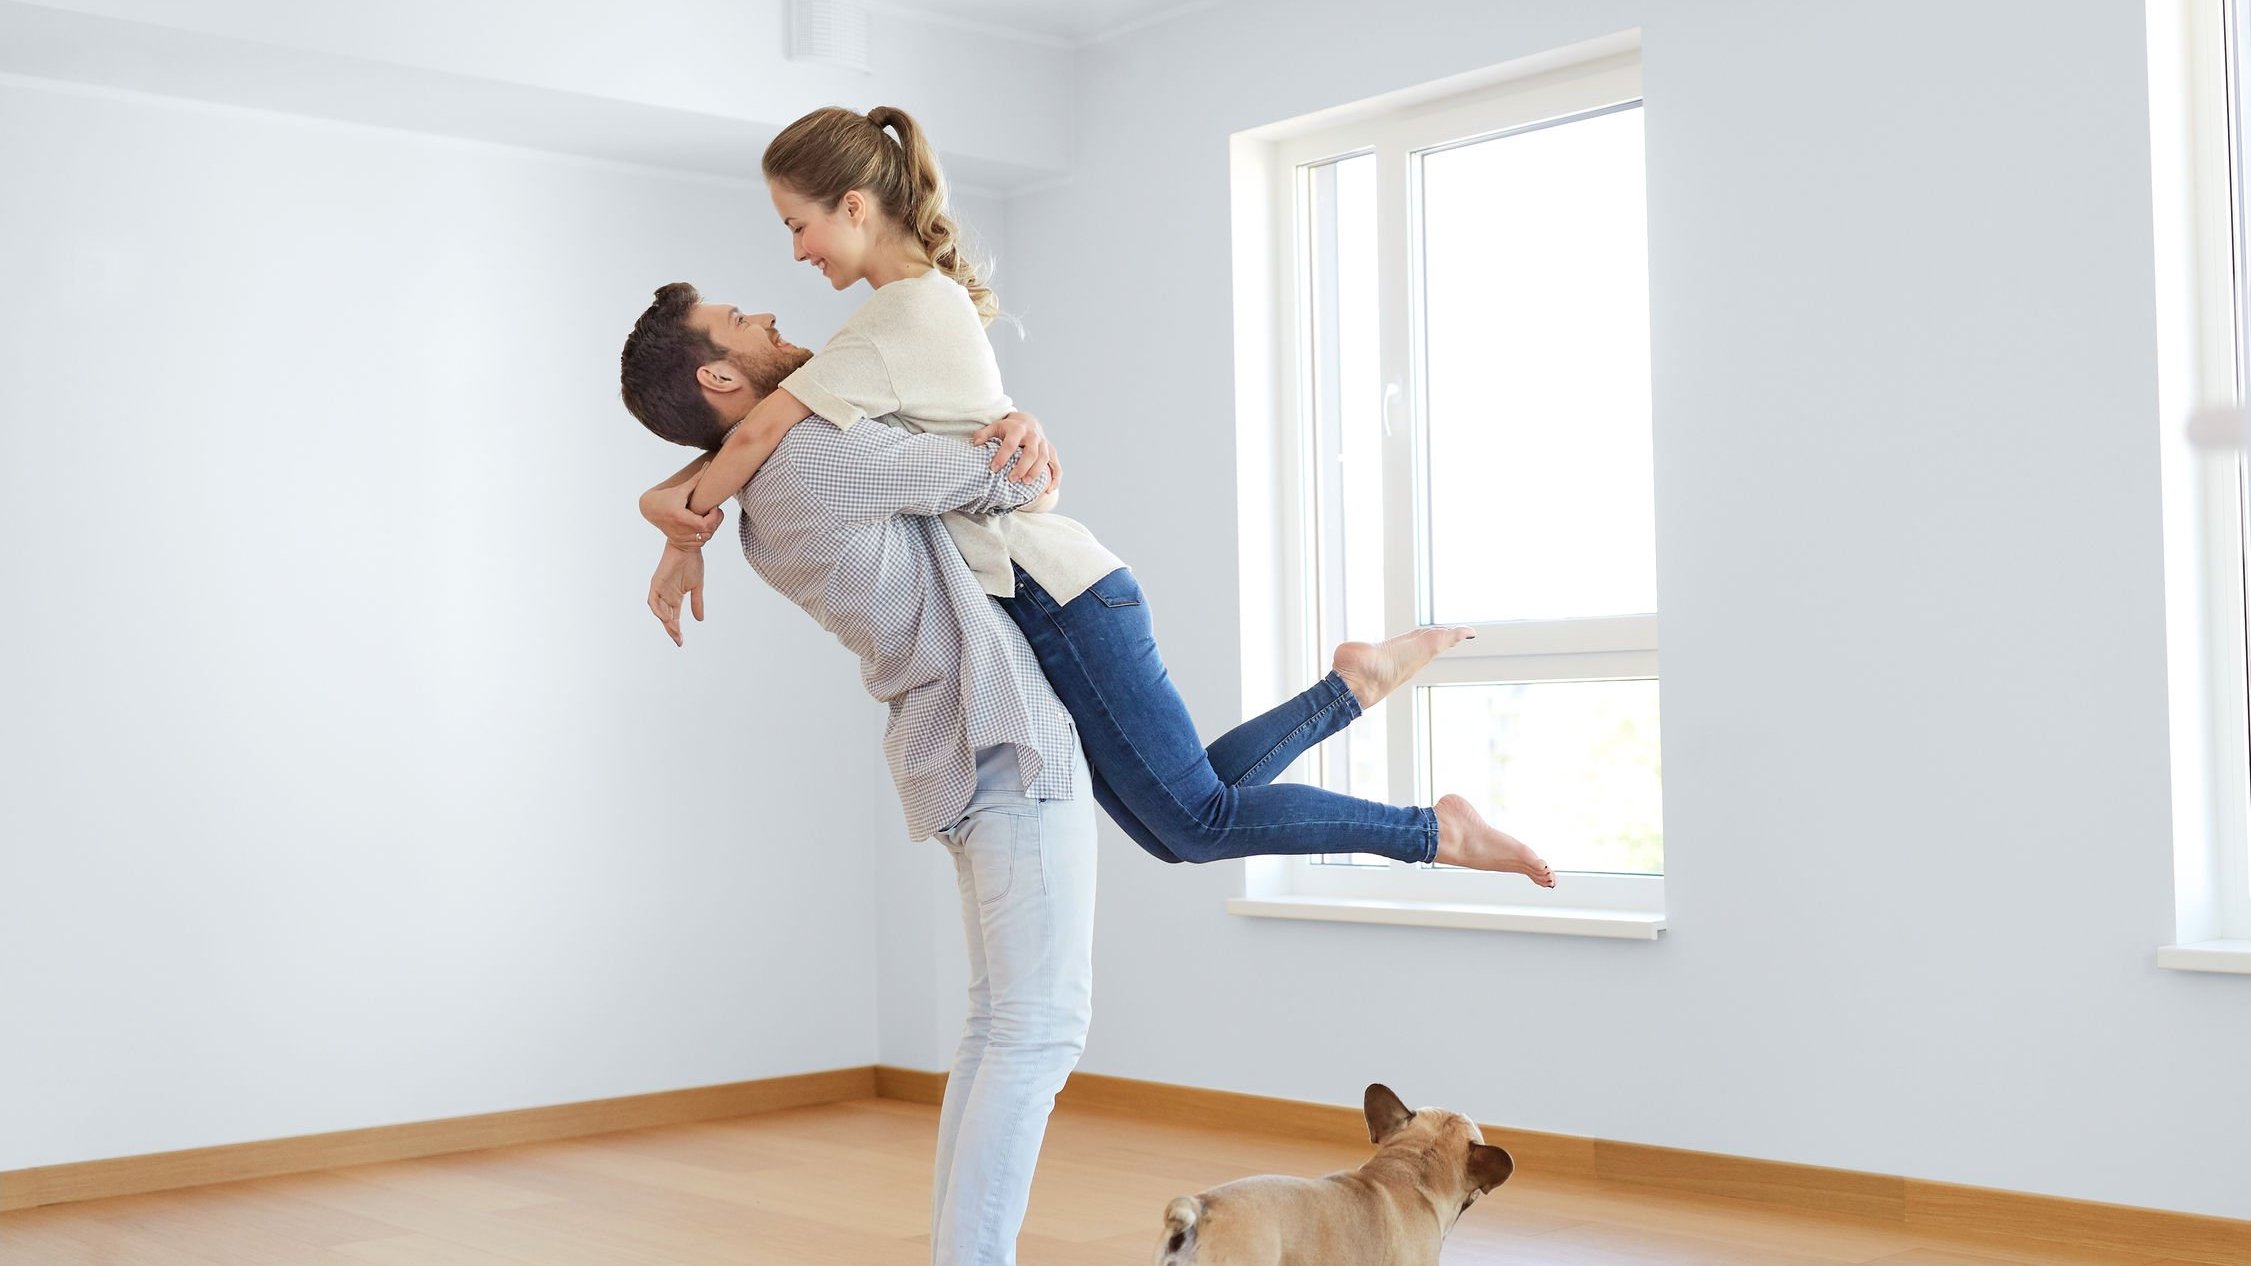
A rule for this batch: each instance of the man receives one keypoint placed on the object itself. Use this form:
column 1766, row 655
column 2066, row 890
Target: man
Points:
column 842, row 523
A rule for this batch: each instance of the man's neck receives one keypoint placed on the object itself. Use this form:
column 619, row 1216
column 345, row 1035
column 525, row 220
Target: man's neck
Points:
column 731, row 410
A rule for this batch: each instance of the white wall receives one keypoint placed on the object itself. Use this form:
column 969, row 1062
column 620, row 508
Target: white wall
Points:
column 1916, row 793
column 694, row 84
column 350, row 781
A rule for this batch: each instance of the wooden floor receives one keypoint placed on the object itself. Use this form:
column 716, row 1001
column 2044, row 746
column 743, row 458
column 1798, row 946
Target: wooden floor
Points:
column 849, row 1184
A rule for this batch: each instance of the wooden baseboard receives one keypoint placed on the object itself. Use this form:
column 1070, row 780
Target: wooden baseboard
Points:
column 160, row 1171
column 2151, row 1233
column 1558, row 1155
column 911, row 1085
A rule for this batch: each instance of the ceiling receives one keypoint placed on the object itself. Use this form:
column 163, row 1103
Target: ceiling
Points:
column 1056, row 21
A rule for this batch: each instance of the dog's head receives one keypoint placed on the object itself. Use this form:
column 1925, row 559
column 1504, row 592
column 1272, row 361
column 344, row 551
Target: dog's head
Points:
column 1446, row 1148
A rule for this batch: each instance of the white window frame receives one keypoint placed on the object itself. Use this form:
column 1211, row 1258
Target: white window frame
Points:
column 1276, row 449
column 2199, row 273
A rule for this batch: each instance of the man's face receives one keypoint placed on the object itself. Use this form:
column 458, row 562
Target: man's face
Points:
column 758, row 357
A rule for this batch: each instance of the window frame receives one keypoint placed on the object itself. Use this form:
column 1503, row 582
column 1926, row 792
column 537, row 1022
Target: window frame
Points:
column 2198, row 200
column 1598, row 78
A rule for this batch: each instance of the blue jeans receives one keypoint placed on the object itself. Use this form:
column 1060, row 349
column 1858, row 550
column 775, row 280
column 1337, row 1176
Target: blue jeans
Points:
column 1025, row 870
column 1182, row 801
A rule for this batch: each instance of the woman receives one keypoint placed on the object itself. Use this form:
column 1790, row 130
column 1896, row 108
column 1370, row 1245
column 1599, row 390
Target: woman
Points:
column 860, row 206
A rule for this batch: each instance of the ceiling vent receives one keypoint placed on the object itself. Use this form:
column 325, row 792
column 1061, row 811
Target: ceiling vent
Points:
column 829, row 33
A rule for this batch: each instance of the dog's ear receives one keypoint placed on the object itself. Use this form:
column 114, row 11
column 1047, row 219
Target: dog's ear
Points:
column 1488, row 1167
column 1385, row 1112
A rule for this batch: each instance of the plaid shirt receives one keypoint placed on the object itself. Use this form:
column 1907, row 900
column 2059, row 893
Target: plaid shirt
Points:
column 841, row 522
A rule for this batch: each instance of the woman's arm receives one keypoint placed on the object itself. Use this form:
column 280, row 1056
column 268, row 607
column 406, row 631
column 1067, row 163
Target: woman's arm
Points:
column 745, row 449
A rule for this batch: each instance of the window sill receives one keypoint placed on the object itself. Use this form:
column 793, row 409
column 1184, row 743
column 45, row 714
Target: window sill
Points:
column 1616, row 924
column 2224, row 956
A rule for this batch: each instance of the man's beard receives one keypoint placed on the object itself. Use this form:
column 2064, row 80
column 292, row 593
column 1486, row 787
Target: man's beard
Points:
column 764, row 371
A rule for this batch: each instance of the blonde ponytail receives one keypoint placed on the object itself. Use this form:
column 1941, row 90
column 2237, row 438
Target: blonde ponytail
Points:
column 925, row 215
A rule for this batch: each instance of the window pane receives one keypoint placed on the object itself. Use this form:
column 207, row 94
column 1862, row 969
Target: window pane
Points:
column 1569, row 767
column 1536, row 324
column 1344, row 352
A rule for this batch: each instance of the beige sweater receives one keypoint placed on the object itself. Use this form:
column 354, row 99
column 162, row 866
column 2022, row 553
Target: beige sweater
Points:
column 915, row 356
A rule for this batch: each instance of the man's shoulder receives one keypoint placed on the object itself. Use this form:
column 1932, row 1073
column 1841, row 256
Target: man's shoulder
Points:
column 803, row 447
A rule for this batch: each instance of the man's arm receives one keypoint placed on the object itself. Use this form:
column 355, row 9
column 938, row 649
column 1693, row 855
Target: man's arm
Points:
column 1018, row 427
column 874, row 472
column 666, row 508
column 679, row 573
column 685, row 473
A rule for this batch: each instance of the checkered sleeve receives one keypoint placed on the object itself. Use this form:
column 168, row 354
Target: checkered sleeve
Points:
column 885, row 471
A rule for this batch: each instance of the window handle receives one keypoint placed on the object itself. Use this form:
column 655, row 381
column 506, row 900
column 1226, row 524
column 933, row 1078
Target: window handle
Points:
column 1391, row 395
column 2216, row 427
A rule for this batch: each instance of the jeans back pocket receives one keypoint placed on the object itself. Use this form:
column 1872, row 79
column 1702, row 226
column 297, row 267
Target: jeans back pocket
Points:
column 1117, row 589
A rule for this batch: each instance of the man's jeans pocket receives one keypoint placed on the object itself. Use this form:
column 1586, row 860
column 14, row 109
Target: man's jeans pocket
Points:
column 1002, row 843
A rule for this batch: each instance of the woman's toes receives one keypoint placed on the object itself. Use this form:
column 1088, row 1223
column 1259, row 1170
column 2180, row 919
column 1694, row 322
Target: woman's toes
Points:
column 1419, row 646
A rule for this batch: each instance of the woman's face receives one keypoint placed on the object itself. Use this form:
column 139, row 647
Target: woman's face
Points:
column 835, row 242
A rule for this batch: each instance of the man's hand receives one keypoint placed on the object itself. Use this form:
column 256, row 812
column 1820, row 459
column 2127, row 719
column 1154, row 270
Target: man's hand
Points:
column 679, row 572
column 683, row 528
column 1022, row 431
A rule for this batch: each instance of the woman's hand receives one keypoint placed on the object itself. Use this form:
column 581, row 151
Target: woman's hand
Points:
column 683, row 528
column 1022, row 431
column 679, row 572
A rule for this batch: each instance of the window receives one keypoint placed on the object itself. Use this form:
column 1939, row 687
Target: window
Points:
column 1462, row 435
column 2198, row 164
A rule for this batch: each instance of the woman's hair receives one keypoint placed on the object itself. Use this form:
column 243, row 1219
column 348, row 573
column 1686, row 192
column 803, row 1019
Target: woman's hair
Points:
column 833, row 151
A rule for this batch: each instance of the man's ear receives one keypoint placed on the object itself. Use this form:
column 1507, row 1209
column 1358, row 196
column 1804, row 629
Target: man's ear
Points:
column 718, row 375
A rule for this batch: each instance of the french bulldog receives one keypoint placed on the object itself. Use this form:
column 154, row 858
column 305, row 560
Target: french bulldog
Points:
column 1430, row 1166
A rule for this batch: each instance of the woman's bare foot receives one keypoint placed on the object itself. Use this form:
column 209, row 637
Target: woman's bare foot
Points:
column 1466, row 839
column 1375, row 669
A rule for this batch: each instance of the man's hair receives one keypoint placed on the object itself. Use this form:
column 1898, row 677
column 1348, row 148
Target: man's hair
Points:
column 657, row 372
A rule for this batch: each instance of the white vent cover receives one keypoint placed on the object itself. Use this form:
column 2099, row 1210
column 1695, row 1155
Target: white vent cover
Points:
column 829, row 32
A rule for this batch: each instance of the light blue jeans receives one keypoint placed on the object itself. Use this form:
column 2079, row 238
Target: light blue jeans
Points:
column 1026, row 872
